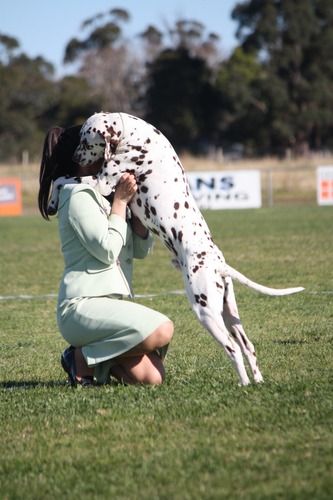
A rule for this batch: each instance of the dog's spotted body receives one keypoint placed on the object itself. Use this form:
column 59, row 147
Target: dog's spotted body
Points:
column 164, row 204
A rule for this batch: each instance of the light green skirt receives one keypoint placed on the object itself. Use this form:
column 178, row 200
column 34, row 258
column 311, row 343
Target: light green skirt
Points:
column 105, row 327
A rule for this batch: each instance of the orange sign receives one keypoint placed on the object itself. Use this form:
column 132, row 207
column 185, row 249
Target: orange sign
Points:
column 325, row 185
column 10, row 196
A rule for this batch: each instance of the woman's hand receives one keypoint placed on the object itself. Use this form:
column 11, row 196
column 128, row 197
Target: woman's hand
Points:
column 126, row 188
column 124, row 192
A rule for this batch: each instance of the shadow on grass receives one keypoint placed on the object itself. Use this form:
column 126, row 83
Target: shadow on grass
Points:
column 296, row 341
column 290, row 342
column 31, row 384
column 34, row 384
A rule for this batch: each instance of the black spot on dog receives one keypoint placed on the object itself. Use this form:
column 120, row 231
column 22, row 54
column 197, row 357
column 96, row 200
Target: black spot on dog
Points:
column 147, row 211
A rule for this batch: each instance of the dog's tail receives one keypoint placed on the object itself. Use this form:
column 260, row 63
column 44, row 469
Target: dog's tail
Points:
column 274, row 292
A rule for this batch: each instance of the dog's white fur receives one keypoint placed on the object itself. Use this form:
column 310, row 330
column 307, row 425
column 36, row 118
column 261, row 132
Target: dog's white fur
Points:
column 164, row 204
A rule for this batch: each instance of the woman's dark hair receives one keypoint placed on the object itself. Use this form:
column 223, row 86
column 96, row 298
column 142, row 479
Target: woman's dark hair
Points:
column 57, row 161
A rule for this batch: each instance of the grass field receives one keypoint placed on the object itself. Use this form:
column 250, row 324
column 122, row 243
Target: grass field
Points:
column 199, row 436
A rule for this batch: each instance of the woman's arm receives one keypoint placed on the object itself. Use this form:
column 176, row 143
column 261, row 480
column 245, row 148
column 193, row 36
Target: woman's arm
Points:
column 125, row 190
column 101, row 237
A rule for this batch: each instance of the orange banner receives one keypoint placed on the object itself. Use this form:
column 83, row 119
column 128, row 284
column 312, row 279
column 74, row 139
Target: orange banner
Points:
column 325, row 185
column 10, row 196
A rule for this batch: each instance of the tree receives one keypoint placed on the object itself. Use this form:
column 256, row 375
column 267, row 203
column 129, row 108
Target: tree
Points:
column 25, row 92
column 179, row 93
column 72, row 103
column 31, row 101
column 180, row 97
column 242, row 107
column 294, row 41
column 106, row 63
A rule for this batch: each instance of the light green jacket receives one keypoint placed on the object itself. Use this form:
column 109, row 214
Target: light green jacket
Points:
column 98, row 250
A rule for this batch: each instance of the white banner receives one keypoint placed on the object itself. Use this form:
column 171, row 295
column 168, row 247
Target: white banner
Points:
column 325, row 185
column 227, row 189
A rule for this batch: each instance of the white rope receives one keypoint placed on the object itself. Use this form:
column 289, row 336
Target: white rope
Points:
column 53, row 295
column 137, row 296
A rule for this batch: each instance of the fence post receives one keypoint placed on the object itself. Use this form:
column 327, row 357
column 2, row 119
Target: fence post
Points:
column 25, row 157
column 270, row 187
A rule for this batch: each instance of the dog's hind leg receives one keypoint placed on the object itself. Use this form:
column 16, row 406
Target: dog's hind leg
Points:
column 216, row 327
column 232, row 349
column 234, row 325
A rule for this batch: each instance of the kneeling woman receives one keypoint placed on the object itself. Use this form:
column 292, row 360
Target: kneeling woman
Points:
column 108, row 333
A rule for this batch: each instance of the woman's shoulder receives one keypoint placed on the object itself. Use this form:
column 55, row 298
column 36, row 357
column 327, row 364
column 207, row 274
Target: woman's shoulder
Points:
column 71, row 192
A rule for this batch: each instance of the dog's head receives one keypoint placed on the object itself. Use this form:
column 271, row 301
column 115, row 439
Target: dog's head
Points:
column 98, row 139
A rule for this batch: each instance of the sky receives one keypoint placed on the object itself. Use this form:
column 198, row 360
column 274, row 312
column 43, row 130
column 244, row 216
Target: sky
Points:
column 44, row 27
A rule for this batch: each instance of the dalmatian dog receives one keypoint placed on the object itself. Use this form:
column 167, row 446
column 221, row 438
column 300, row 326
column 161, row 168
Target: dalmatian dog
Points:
column 164, row 204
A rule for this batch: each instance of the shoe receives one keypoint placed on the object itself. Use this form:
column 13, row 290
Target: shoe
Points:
column 68, row 363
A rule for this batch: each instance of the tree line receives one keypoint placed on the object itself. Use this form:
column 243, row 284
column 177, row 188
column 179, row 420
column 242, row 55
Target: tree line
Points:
column 273, row 94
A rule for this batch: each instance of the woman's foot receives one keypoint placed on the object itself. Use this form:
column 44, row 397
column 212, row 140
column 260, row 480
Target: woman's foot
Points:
column 76, row 368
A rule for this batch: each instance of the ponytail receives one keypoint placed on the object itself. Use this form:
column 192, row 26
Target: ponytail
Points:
column 58, row 150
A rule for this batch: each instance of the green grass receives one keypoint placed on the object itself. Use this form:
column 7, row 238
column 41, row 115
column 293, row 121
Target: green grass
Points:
column 199, row 436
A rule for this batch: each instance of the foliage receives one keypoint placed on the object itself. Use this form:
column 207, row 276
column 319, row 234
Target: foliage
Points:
column 106, row 62
column 31, row 102
column 180, row 97
column 293, row 39
column 105, row 34
column 242, row 105
column 198, row 435
column 74, row 102
column 25, row 93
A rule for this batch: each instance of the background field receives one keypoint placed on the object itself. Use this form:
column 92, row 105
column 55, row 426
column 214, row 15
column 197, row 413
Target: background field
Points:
column 284, row 182
column 199, row 436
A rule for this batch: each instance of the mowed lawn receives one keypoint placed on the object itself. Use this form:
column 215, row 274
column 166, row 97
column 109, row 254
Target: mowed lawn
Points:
column 199, row 436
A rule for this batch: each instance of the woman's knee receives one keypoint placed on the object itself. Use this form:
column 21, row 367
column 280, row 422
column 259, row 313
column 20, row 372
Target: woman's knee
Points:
column 163, row 334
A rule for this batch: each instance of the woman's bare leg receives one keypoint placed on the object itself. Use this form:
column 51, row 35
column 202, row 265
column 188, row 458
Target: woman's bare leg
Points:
column 142, row 369
column 140, row 365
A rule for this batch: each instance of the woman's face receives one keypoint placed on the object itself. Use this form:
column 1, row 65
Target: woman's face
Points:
column 91, row 169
